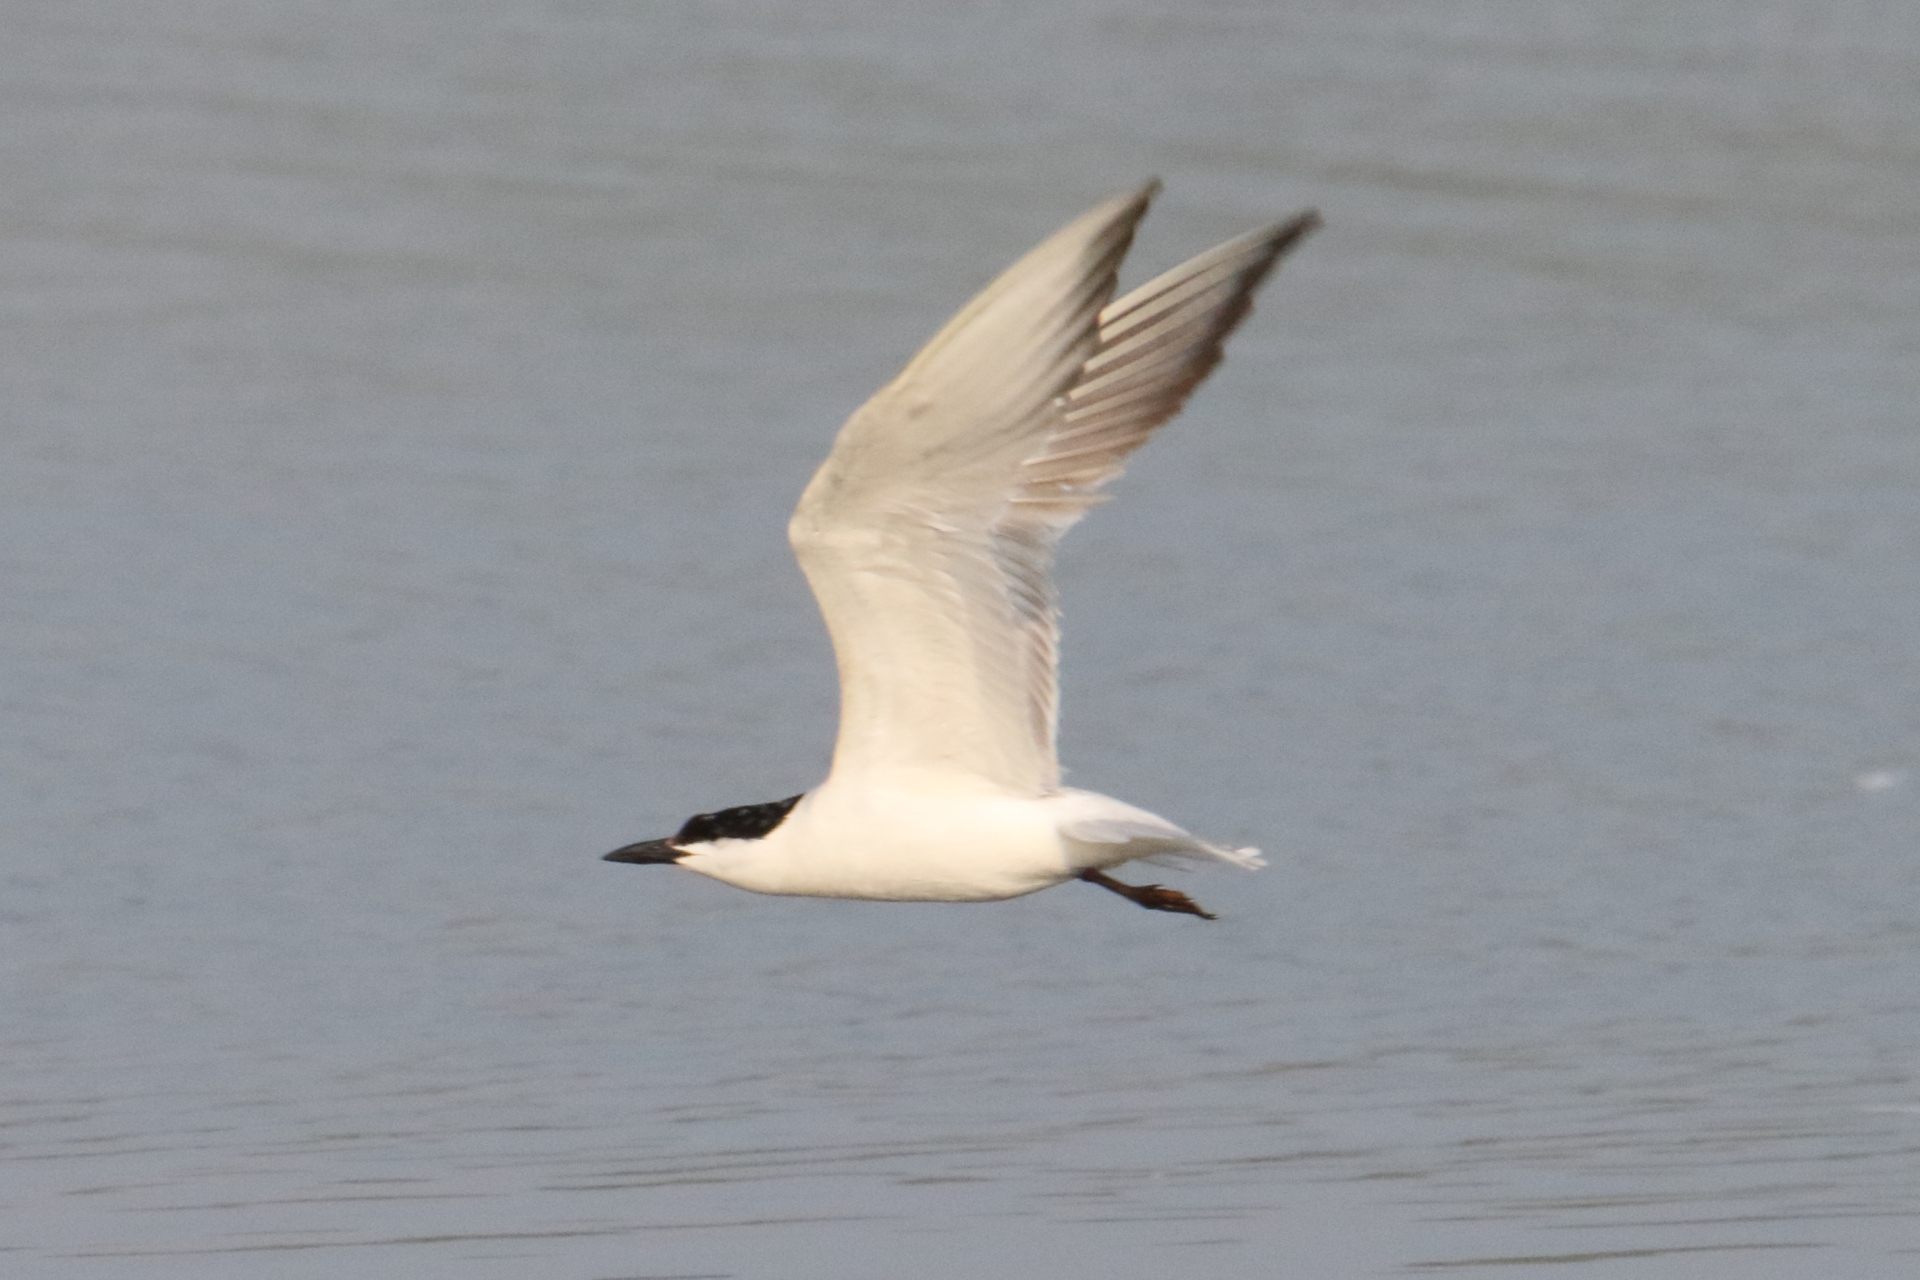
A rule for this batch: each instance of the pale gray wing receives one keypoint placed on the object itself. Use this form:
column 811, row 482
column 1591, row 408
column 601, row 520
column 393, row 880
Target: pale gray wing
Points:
column 928, row 533
column 1156, row 345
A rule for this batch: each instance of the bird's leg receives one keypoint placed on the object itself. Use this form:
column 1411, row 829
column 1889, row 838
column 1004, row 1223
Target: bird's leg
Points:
column 1150, row 896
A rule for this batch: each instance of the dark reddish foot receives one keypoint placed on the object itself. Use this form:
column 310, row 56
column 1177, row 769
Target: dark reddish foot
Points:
column 1150, row 896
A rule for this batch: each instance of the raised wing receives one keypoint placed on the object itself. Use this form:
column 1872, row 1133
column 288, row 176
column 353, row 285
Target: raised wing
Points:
column 928, row 533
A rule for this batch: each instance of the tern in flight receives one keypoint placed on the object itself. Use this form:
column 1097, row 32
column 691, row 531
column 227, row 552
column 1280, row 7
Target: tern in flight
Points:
column 927, row 537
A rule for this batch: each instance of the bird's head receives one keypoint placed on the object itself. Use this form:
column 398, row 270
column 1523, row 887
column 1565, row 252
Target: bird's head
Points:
column 747, row 822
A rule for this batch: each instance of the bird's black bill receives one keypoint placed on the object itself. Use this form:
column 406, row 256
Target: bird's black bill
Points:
column 645, row 851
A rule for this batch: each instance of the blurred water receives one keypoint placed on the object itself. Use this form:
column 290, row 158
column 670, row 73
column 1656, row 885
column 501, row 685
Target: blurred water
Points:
column 402, row 404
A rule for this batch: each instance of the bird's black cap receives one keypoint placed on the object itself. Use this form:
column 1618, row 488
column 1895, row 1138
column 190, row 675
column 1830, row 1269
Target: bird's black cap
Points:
column 748, row 822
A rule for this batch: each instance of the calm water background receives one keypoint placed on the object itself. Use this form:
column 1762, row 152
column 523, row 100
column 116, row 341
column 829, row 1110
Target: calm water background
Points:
column 402, row 405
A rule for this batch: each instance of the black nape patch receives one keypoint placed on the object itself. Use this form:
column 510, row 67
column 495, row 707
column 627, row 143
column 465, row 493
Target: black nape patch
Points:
column 748, row 822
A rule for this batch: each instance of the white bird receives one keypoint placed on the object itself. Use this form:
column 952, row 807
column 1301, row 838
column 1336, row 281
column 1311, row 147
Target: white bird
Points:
column 927, row 537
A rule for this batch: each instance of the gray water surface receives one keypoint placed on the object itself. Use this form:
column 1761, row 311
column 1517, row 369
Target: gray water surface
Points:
column 402, row 406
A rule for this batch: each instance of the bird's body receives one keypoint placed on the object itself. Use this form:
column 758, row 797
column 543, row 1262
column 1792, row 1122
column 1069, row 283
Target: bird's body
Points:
column 928, row 538
column 940, row 837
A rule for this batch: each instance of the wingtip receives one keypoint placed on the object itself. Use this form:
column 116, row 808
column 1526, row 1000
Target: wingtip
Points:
column 1133, row 202
column 1273, row 243
column 1291, row 231
column 1133, row 205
